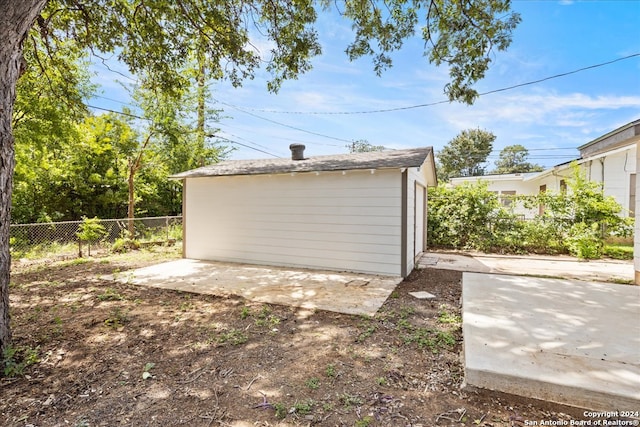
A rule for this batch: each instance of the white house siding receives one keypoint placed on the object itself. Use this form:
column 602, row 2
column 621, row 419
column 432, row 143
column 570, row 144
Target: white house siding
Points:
column 503, row 185
column 414, row 176
column 326, row 220
column 636, row 238
column 421, row 218
column 551, row 182
column 616, row 169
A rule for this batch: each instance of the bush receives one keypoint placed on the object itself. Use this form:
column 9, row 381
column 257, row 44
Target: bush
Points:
column 90, row 231
column 507, row 233
column 540, row 236
column 618, row 251
column 124, row 244
column 577, row 221
column 458, row 216
column 15, row 360
column 585, row 241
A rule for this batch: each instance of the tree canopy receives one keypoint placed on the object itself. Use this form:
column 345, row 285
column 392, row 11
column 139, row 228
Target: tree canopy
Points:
column 363, row 146
column 71, row 164
column 466, row 154
column 513, row 159
column 155, row 38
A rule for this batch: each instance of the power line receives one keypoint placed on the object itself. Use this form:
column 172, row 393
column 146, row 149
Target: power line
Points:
column 551, row 148
column 602, row 64
column 280, row 137
column 245, row 109
column 114, row 100
column 282, row 124
column 245, row 145
column 538, row 156
column 445, row 101
column 243, row 139
column 239, row 109
column 213, row 136
column 118, row 112
column 255, row 115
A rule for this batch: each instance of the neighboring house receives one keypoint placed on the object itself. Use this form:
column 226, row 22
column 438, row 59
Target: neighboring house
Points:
column 609, row 159
column 361, row 212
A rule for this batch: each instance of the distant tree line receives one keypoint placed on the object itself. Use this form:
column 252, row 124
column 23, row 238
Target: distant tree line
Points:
column 71, row 163
column 467, row 153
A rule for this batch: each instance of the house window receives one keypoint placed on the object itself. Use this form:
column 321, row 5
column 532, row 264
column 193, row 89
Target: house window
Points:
column 506, row 198
column 543, row 189
column 563, row 186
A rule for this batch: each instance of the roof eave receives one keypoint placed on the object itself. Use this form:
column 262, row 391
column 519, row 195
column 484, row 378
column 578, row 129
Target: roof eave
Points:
column 186, row 175
column 611, row 135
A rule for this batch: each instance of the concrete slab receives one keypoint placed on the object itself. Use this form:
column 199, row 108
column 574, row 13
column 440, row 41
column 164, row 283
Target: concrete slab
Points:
column 349, row 293
column 565, row 341
column 561, row 266
column 422, row 295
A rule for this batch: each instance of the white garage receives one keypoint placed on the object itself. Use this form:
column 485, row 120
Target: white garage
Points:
column 361, row 212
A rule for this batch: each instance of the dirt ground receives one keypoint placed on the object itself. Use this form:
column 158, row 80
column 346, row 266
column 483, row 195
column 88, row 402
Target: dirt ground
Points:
column 93, row 352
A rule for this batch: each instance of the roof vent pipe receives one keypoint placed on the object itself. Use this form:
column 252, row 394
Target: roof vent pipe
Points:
column 297, row 151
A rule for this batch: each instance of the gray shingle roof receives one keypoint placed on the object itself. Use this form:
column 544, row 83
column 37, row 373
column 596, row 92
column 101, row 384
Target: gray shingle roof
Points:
column 413, row 157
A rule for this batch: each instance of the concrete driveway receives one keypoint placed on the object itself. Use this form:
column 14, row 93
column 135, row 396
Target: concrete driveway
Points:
column 567, row 341
column 560, row 266
column 349, row 293
column 530, row 328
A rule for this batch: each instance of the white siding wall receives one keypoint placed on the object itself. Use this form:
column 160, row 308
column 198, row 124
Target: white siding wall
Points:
column 328, row 220
column 420, row 218
column 521, row 188
column 636, row 236
column 551, row 181
column 414, row 175
column 515, row 184
column 618, row 168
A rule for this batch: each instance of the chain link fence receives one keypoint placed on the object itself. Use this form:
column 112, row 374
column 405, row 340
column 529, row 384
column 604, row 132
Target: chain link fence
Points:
column 60, row 239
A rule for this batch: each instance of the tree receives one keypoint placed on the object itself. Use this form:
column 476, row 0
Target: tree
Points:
column 47, row 108
column 172, row 140
column 16, row 17
column 363, row 146
column 465, row 154
column 513, row 159
column 99, row 166
column 155, row 38
column 90, row 231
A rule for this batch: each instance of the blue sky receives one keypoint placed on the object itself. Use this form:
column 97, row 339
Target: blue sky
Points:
column 550, row 118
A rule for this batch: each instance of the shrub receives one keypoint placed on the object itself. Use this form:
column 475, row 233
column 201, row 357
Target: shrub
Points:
column 618, row 251
column 507, row 231
column 458, row 216
column 541, row 236
column 585, row 241
column 124, row 244
column 15, row 360
column 90, row 231
column 578, row 220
